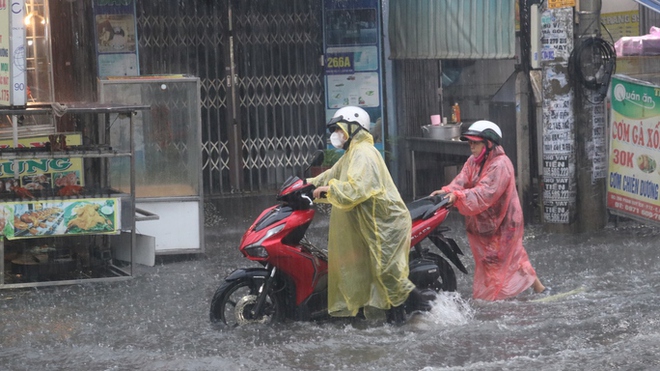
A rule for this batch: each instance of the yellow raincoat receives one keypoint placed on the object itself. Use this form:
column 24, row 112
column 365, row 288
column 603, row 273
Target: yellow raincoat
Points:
column 369, row 236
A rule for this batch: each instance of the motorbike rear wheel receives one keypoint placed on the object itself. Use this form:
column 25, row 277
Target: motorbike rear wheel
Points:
column 233, row 302
column 447, row 279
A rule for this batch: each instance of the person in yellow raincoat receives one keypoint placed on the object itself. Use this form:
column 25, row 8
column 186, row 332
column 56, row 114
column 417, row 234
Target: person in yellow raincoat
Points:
column 485, row 193
column 370, row 226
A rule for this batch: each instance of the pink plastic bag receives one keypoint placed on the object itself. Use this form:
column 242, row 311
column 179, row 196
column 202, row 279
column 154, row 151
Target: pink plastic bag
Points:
column 639, row 45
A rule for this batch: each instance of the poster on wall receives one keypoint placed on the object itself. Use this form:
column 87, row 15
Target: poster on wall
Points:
column 353, row 59
column 556, row 34
column 634, row 175
column 116, row 38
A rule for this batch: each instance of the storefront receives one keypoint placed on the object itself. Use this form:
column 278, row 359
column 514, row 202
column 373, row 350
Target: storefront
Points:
column 88, row 189
column 445, row 56
column 67, row 201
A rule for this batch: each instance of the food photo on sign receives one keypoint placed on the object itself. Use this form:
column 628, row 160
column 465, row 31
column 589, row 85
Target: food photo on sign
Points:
column 42, row 219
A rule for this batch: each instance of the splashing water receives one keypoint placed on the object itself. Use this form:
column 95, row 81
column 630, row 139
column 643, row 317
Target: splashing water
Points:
column 449, row 309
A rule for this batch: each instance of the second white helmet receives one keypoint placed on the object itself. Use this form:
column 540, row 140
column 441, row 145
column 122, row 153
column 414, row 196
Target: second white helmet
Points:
column 483, row 129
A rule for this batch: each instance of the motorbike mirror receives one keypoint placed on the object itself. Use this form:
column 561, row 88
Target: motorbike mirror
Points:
column 317, row 160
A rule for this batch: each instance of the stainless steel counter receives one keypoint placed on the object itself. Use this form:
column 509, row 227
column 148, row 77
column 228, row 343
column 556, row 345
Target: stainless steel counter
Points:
column 454, row 148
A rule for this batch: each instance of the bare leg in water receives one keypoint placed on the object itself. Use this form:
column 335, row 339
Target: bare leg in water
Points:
column 538, row 286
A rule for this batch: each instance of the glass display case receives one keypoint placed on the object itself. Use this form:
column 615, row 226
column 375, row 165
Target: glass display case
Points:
column 168, row 150
column 63, row 217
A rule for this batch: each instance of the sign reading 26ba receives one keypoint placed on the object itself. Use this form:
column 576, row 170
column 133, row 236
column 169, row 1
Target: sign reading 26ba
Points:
column 339, row 63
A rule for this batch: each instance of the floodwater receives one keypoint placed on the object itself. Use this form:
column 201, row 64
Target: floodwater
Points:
column 603, row 315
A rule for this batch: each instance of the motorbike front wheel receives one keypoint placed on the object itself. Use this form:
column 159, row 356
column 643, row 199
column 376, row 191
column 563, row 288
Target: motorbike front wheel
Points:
column 233, row 302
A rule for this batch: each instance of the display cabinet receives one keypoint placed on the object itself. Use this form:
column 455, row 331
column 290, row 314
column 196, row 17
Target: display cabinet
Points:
column 67, row 200
column 168, row 156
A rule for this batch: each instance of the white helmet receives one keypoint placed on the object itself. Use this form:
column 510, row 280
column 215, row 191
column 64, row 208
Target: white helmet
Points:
column 350, row 114
column 483, row 129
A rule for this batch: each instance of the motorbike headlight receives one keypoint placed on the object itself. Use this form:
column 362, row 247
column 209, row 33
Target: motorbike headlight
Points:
column 256, row 251
column 272, row 232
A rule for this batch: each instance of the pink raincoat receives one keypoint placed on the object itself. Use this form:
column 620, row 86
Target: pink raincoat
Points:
column 494, row 225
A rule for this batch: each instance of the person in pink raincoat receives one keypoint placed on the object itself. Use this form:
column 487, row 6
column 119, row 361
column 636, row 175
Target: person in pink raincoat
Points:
column 485, row 193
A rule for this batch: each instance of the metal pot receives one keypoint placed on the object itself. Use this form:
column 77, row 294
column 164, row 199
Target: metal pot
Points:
column 442, row 132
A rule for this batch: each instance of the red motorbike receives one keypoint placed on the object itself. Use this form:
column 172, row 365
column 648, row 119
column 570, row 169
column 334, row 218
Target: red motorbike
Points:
column 292, row 282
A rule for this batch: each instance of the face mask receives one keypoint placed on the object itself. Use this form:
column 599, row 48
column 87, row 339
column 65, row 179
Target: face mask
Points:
column 481, row 156
column 337, row 139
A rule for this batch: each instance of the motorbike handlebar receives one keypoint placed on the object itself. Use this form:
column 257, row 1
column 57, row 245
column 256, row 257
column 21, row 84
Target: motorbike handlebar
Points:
column 441, row 199
column 437, row 199
column 311, row 193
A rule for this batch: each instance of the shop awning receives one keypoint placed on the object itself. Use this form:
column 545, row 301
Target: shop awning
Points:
column 452, row 29
column 652, row 4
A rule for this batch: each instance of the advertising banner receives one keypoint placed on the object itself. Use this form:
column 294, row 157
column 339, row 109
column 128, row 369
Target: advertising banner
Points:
column 634, row 175
column 42, row 174
column 49, row 218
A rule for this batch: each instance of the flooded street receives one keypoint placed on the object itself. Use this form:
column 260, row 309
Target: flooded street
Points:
column 602, row 315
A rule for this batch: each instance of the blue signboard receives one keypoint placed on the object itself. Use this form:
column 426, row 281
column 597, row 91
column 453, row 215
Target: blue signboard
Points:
column 352, row 49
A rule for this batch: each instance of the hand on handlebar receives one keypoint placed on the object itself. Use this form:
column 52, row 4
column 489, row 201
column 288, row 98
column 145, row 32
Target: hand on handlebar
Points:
column 450, row 196
column 438, row 192
column 320, row 192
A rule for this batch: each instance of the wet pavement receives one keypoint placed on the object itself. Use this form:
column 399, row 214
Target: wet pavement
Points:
column 603, row 314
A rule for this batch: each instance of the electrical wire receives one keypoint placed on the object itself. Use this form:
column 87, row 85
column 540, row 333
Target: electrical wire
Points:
column 591, row 65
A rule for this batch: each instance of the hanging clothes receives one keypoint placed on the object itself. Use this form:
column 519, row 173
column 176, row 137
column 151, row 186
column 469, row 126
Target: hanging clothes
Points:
column 369, row 234
column 487, row 197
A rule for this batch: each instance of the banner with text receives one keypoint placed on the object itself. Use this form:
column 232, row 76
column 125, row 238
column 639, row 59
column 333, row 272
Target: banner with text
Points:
column 41, row 174
column 634, row 176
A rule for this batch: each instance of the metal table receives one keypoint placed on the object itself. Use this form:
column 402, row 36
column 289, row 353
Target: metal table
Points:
column 427, row 145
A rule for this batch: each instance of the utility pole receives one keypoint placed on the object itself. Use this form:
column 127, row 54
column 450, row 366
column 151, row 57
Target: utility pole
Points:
column 591, row 150
column 559, row 185
column 574, row 128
